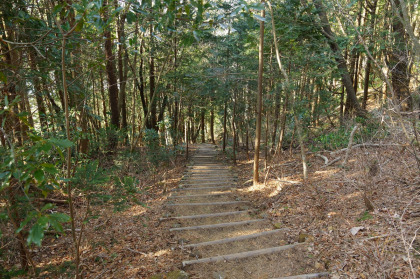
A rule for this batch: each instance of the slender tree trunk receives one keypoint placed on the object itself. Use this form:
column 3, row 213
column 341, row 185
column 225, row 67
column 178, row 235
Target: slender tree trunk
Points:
column 175, row 129
column 276, row 122
column 28, row 108
column 122, row 68
column 233, row 128
column 153, row 109
column 341, row 63
column 259, row 100
column 224, row 127
column 133, row 113
column 203, row 138
column 187, row 138
column 212, row 125
column 104, row 109
column 112, row 84
column 42, row 112
column 302, row 147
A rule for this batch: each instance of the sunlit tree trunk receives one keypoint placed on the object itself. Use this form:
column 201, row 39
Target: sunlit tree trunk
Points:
column 224, row 127
column 212, row 125
column 203, row 138
column 259, row 100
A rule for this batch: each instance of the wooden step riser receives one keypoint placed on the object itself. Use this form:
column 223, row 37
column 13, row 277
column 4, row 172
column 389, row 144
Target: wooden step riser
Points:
column 201, row 196
column 217, row 226
column 233, row 239
column 207, row 203
column 230, row 213
column 307, row 276
column 242, row 255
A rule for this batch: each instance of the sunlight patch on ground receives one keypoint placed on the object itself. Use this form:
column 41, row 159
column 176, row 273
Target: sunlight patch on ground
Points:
column 135, row 211
column 332, row 213
column 277, row 190
column 352, row 195
column 325, row 173
column 161, row 252
column 274, row 187
column 257, row 187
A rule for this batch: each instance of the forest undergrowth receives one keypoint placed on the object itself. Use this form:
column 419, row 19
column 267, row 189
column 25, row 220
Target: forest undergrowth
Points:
column 362, row 218
column 118, row 216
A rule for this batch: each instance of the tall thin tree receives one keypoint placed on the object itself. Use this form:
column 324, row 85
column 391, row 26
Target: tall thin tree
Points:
column 259, row 99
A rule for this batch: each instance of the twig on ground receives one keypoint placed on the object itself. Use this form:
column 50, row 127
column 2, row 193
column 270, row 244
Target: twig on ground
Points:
column 323, row 157
column 366, row 145
column 350, row 144
column 333, row 161
column 136, row 252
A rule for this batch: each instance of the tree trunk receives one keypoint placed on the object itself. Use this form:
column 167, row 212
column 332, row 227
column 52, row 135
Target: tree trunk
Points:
column 122, row 68
column 369, row 61
column 399, row 63
column 112, row 84
column 203, row 138
column 153, row 109
column 259, row 100
column 112, row 80
column 104, row 109
column 342, row 67
column 212, row 125
column 38, row 92
column 233, row 129
column 224, row 127
column 276, row 122
column 175, row 130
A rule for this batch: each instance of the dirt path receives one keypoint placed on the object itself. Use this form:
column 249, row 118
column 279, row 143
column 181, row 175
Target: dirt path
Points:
column 222, row 236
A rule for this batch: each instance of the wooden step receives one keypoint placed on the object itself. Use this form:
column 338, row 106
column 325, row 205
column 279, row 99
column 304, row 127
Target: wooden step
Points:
column 241, row 255
column 206, row 215
column 232, row 239
column 209, row 170
column 206, row 203
column 200, row 196
column 206, row 168
column 306, row 276
column 191, row 179
column 203, row 188
column 202, row 176
column 220, row 225
column 208, row 183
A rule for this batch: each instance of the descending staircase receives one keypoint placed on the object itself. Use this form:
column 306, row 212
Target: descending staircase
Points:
column 222, row 236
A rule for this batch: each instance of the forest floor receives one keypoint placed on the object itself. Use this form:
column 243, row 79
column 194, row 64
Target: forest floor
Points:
column 125, row 242
column 329, row 210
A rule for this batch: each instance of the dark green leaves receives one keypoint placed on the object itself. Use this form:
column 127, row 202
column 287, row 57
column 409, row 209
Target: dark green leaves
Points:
column 42, row 223
column 39, row 175
column 56, row 219
column 260, row 18
column 63, row 143
column 36, row 233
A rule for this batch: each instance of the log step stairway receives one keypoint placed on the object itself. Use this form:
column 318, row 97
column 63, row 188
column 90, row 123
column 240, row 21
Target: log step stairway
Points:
column 222, row 236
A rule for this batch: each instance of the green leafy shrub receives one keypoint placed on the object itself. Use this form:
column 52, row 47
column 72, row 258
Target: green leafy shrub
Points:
column 125, row 190
column 156, row 153
column 332, row 140
column 29, row 172
column 369, row 130
column 90, row 178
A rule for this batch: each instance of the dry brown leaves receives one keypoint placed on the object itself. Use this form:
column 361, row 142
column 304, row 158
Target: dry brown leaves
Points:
column 132, row 243
column 331, row 202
